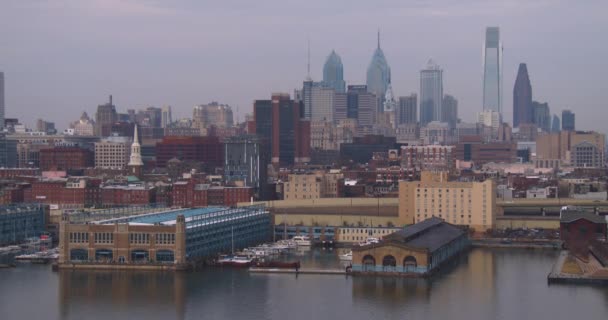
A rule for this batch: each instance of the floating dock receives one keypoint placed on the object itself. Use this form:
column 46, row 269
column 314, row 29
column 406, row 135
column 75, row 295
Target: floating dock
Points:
column 569, row 270
column 299, row 271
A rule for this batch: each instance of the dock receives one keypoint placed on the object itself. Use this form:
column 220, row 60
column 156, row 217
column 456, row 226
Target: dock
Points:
column 569, row 270
column 299, row 271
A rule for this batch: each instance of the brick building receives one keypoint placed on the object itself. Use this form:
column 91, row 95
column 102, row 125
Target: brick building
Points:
column 119, row 195
column 472, row 149
column 65, row 193
column 201, row 149
column 65, row 158
column 193, row 194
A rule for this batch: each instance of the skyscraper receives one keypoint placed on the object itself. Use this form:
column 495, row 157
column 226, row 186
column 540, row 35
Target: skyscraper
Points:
column 522, row 98
column 1, row 100
column 378, row 75
column 105, row 117
column 166, row 118
column 333, row 73
column 431, row 93
column 361, row 105
column 449, row 110
column 407, row 111
column 556, row 125
column 542, row 115
column 568, row 123
column 278, row 121
column 492, row 70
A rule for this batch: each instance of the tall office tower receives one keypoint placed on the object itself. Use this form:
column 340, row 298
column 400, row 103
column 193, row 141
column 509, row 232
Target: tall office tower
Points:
column 148, row 117
column 219, row 115
column 278, row 121
column 568, row 120
column 246, row 162
column 333, row 73
column 556, row 125
column 2, row 100
column 542, row 115
column 166, row 118
column 431, row 93
column 361, row 105
column 322, row 104
column 105, row 117
column 407, row 111
column 522, row 98
column 449, row 110
column 378, row 75
column 492, row 71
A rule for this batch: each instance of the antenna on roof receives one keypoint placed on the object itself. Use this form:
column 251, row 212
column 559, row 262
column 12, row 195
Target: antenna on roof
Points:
column 308, row 62
column 378, row 38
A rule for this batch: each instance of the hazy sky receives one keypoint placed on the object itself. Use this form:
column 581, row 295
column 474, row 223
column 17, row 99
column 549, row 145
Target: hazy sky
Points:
column 62, row 57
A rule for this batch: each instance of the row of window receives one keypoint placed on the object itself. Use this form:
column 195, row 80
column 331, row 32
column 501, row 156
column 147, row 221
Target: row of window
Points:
column 104, row 237
column 79, row 237
column 165, row 238
column 139, row 238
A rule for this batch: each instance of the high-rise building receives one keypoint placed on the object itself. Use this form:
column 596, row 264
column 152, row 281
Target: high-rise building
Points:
column 279, row 122
column 407, row 111
column 378, row 75
column 166, row 118
column 219, row 115
column 2, row 100
column 542, row 116
column 246, row 163
column 45, row 126
column 322, row 103
column 449, row 110
column 104, row 118
column 556, row 125
column 492, row 70
column 148, row 117
column 8, row 152
column 361, row 105
column 568, row 120
column 333, row 73
column 491, row 119
column 431, row 93
column 522, row 98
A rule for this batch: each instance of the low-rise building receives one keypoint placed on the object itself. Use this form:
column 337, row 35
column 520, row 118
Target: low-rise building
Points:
column 160, row 240
column 313, row 186
column 417, row 250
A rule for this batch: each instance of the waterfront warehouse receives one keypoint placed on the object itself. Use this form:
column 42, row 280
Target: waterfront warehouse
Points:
column 161, row 240
column 21, row 221
column 416, row 250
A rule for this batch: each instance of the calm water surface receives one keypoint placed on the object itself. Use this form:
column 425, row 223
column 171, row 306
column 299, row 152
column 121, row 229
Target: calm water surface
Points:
column 503, row 284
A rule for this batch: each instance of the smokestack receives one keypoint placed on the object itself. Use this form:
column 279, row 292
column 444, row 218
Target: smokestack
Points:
column 110, row 99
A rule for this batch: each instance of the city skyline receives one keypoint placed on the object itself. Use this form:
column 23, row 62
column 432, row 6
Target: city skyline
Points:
column 74, row 84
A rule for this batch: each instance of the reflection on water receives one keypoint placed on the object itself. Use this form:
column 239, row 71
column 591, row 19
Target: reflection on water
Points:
column 485, row 284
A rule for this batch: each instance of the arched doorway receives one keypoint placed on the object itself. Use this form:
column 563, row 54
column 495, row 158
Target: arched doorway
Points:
column 369, row 263
column 410, row 264
column 79, row 255
column 139, row 256
column 389, row 263
column 103, row 255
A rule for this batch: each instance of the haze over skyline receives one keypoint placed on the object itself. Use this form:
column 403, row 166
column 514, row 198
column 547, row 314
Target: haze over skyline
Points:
column 64, row 57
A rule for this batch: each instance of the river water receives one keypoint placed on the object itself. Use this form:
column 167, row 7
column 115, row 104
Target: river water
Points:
column 484, row 284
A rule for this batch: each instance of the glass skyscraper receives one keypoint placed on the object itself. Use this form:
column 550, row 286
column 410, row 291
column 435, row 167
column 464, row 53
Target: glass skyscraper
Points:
column 378, row 74
column 492, row 70
column 333, row 73
column 431, row 93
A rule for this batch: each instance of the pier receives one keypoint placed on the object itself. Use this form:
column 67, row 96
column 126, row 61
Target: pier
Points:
column 299, row 271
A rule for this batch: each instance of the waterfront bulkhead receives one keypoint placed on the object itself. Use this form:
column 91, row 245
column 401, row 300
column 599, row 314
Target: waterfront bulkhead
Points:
column 416, row 250
column 161, row 240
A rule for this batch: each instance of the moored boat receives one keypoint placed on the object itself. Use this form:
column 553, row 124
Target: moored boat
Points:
column 348, row 256
column 303, row 241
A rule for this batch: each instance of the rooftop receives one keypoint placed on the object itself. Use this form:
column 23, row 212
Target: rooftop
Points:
column 431, row 234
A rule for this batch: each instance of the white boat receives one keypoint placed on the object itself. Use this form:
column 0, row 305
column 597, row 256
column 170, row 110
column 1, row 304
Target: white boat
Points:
column 303, row 241
column 348, row 256
column 368, row 241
